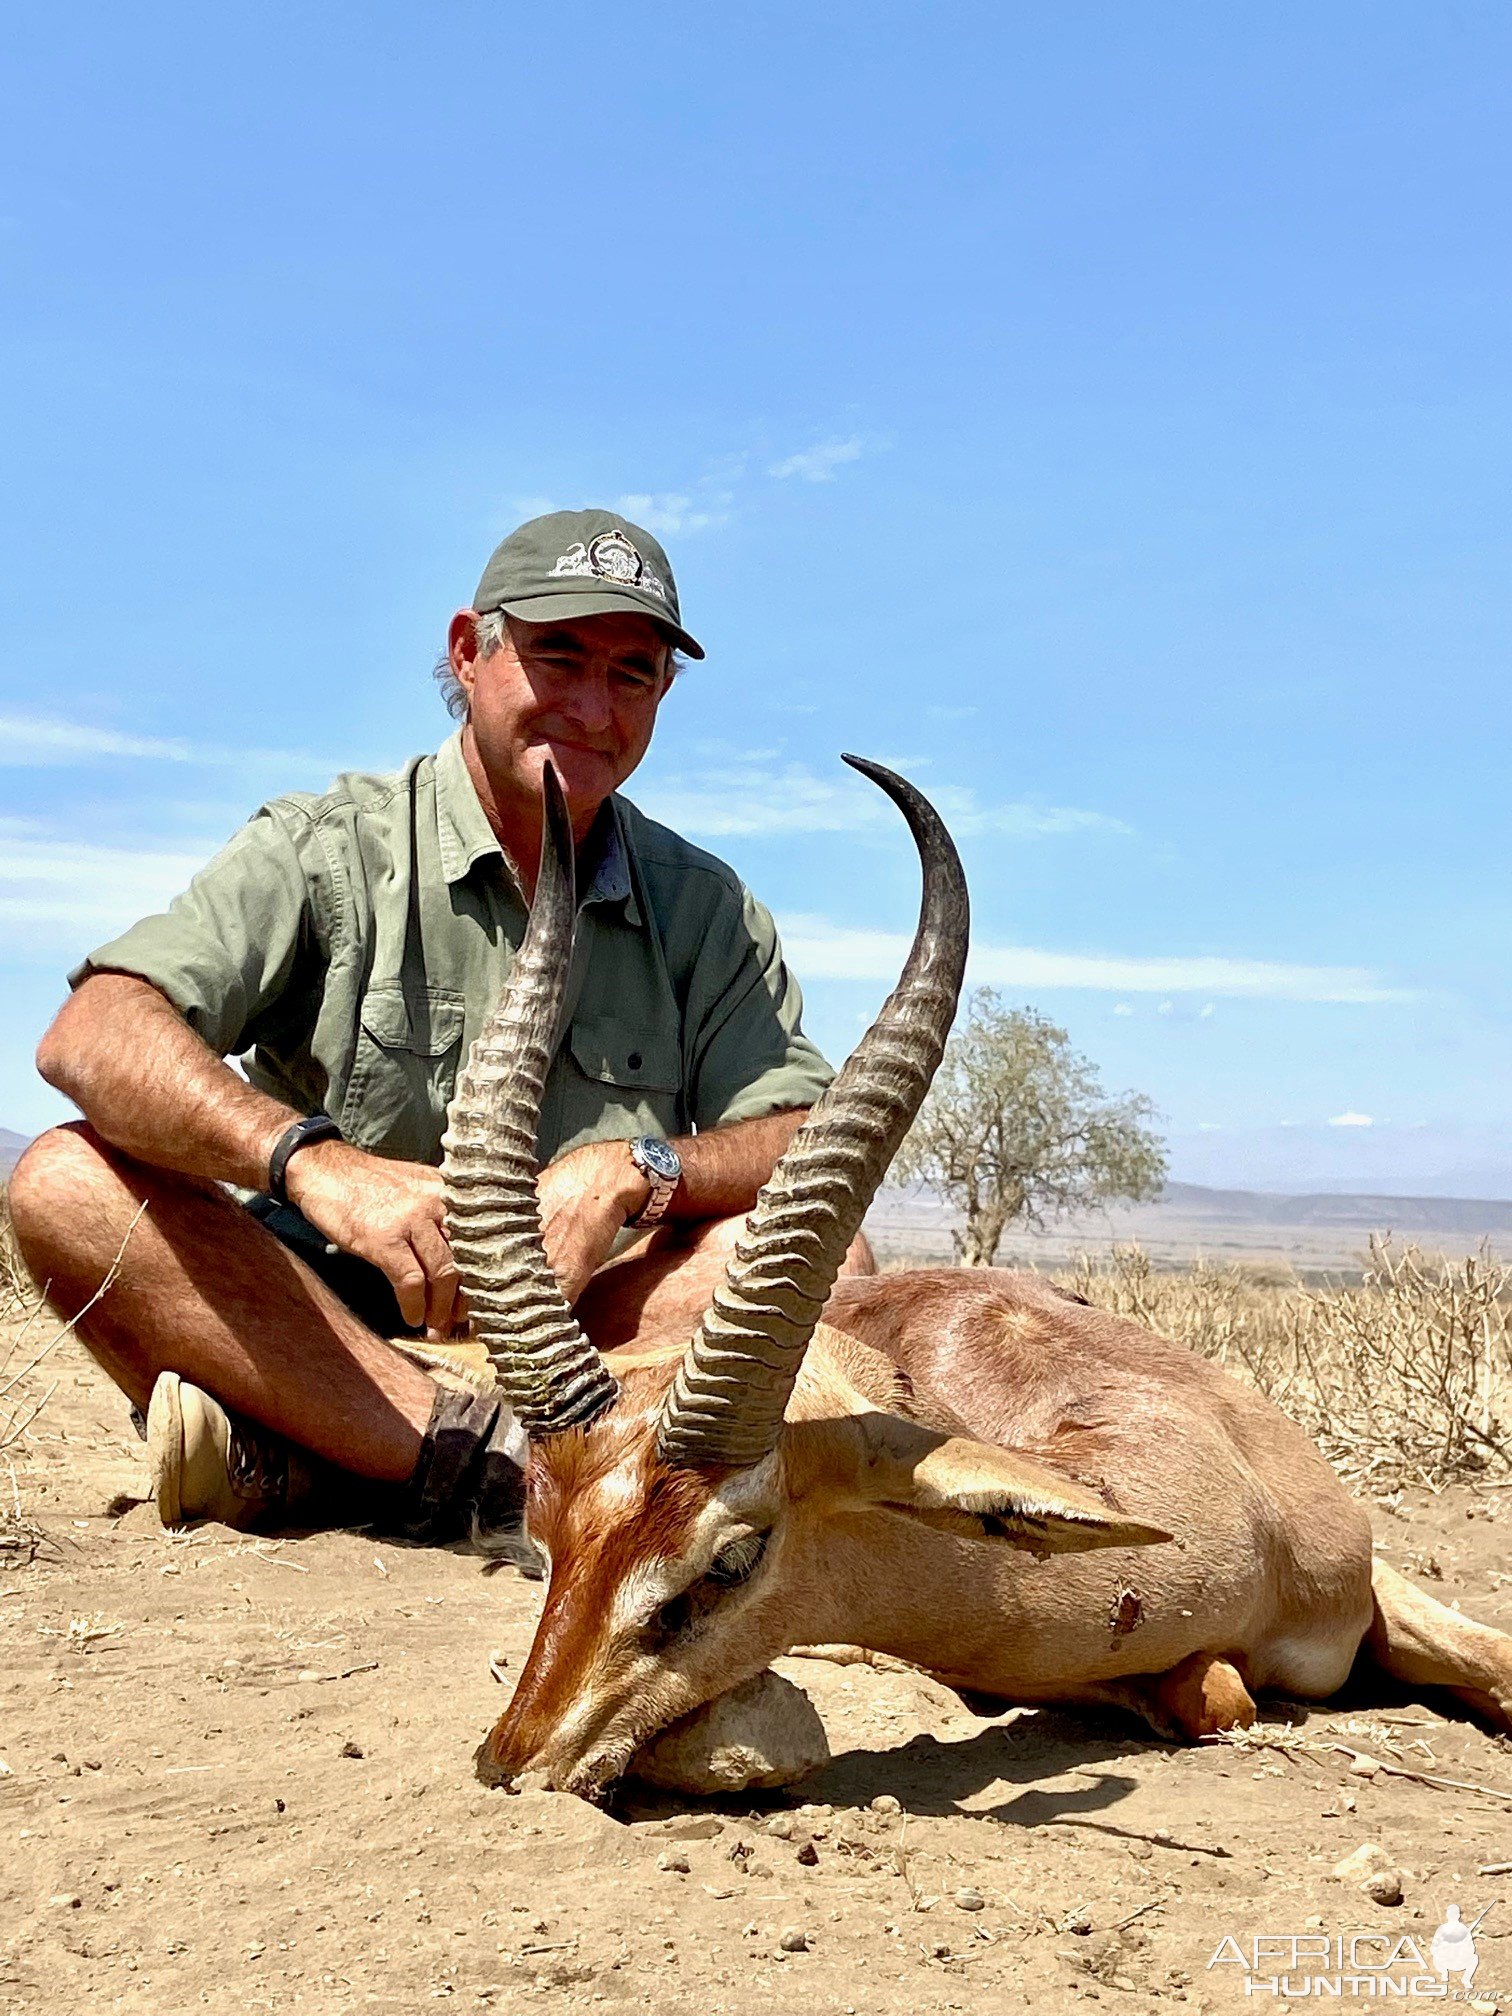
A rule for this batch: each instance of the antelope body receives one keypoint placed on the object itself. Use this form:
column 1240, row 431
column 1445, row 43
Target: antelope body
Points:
column 971, row 1471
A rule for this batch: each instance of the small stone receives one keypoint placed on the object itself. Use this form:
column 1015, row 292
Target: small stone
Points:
column 780, row 1826
column 760, row 1735
column 1123, row 1981
column 1364, row 1766
column 1078, row 1922
column 793, row 1940
column 1385, row 1887
column 65, row 1901
column 970, row 1900
column 694, row 1827
column 1366, row 1860
column 759, row 1869
column 350, row 1749
column 885, row 1803
column 808, row 1854
column 673, row 1860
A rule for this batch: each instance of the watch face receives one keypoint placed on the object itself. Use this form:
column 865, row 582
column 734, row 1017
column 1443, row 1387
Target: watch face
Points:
column 660, row 1158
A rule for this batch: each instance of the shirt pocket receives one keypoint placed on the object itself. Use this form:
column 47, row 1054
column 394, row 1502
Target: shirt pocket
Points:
column 618, row 1083
column 404, row 1072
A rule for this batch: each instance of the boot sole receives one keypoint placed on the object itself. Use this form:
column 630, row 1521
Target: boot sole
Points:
column 165, row 1448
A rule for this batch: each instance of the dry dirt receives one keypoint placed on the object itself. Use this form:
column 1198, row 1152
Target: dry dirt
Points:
column 237, row 1775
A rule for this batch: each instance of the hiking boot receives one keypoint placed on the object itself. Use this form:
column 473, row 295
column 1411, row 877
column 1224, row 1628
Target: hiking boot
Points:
column 207, row 1463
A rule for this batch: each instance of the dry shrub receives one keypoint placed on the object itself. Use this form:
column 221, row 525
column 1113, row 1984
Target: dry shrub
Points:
column 17, row 1289
column 1403, row 1378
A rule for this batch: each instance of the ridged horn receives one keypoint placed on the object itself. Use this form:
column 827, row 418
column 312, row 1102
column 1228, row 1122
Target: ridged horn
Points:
column 550, row 1373
column 726, row 1403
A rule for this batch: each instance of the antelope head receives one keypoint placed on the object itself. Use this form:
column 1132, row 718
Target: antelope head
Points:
column 704, row 1509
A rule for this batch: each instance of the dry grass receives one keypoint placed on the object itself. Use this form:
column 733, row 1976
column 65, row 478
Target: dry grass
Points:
column 26, row 1384
column 17, row 1290
column 1403, row 1378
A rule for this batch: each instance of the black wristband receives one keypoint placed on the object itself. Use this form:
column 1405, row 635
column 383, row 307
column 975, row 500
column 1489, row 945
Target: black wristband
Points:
column 318, row 1127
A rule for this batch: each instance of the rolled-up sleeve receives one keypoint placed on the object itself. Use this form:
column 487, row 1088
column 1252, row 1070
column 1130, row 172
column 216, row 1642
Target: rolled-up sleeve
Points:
column 749, row 1055
column 225, row 950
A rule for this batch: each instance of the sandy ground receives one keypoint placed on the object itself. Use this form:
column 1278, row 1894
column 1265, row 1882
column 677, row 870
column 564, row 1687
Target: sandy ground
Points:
column 237, row 1775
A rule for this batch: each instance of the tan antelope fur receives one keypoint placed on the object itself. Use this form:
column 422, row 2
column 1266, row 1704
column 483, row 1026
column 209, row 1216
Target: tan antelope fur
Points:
column 970, row 1471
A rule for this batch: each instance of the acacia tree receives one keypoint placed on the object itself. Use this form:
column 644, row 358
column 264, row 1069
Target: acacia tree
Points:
column 1017, row 1126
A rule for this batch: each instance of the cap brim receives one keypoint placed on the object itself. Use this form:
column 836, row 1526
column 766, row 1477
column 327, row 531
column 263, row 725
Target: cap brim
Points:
column 574, row 601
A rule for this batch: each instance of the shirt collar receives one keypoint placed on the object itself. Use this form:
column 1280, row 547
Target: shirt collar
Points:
column 466, row 837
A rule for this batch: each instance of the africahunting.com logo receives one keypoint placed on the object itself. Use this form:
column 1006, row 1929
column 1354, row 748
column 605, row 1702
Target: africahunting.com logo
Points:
column 1334, row 1965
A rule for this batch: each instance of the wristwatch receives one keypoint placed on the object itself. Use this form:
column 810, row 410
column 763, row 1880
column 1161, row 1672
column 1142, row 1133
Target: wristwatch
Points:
column 316, row 1127
column 661, row 1165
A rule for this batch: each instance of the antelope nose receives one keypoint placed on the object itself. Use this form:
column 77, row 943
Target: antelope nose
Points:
column 499, row 1778
column 491, row 1771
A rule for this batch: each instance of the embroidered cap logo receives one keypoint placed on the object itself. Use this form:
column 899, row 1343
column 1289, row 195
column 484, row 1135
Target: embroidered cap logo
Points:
column 611, row 556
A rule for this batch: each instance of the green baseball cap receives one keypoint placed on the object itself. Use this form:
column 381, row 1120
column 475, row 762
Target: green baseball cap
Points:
column 582, row 563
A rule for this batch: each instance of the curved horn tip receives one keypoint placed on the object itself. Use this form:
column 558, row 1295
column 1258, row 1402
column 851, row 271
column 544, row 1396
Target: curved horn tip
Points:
column 558, row 821
column 908, row 798
column 869, row 767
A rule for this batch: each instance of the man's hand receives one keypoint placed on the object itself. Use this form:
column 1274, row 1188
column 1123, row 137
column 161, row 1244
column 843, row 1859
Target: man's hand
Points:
column 389, row 1213
column 585, row 1199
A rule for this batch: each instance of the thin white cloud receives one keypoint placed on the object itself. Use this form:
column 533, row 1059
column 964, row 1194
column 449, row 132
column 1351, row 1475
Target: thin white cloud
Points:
column 819, row 463
column 668, row 513
column 819, row 949
column 759, row 797
column 65, row 893
column 1352, row 1120
column 28, row 741
column 40, row 742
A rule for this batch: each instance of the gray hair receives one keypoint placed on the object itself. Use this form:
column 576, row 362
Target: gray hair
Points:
column 491, row 631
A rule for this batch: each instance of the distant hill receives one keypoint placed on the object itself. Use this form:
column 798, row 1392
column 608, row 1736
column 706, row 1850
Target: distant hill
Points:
column 1470, row 1217
column 10, row 1149
column 1314, row 1232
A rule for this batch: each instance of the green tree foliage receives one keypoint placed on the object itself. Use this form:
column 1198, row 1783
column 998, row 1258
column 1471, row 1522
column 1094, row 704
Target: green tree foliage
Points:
column 1017, row 1127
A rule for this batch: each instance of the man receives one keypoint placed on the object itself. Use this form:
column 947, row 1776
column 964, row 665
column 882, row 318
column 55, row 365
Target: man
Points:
column 353, row 944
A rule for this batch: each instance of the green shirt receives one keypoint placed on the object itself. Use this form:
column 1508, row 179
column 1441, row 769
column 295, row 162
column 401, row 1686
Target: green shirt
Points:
column 353, row 944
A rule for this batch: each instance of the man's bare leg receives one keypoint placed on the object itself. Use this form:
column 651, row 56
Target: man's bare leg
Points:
column 207, row 1292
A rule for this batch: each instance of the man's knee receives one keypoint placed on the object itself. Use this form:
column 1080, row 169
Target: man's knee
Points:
column 50, row 1189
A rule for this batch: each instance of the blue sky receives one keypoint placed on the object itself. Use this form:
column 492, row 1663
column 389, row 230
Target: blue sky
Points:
column 1099, row 412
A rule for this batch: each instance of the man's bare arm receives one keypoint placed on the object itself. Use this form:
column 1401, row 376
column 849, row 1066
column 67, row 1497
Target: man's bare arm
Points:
column 148, row 1085
column 145, row 1082
column 587, row 1196
column 724, row 1168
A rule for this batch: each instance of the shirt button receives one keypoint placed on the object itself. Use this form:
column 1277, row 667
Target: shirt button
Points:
column 635, row 1060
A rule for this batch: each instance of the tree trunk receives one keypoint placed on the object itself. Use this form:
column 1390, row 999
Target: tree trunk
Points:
column 977, row 1245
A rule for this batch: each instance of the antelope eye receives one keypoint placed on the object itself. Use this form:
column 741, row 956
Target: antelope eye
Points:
column 674, row 1617
column 739, row 1560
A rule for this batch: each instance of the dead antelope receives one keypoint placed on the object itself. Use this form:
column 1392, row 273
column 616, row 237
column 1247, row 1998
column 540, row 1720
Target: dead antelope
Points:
column 901, row 1476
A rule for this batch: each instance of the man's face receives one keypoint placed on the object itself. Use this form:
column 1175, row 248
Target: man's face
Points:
column 584, row 692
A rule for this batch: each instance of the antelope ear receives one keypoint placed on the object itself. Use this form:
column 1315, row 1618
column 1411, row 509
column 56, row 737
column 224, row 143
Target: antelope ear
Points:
column 971, row 1488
